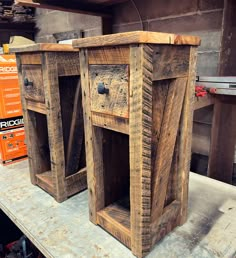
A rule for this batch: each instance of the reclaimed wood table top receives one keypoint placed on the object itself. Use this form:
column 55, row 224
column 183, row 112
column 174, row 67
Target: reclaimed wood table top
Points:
column 43, row 47
column 64, row 230
column 137, row 37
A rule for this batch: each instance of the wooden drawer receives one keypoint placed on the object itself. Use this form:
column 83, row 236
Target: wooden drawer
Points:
column 115, row 78
column 33, row 83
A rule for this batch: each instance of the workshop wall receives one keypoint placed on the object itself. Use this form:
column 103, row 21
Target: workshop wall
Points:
column 49, row 22
column 202, row 18
column 197, row 17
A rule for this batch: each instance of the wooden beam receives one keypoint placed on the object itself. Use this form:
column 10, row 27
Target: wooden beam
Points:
column 223, row 139
column 84, row 9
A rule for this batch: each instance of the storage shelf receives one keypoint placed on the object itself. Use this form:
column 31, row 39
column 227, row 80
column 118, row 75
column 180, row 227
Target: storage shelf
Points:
column 45, row 181
column 116, row 220
column 46, row 177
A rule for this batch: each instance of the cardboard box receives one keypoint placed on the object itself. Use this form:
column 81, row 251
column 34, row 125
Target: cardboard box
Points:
column 10, row 102
column 12, row 146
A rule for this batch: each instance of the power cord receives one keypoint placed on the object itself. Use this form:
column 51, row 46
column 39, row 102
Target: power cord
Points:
column 137, row 10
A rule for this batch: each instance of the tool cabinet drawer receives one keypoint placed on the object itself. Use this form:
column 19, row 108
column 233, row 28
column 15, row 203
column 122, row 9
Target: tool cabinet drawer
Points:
column 33, row 88
column 109, row 87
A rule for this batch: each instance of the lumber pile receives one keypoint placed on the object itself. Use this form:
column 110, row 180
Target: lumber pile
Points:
column 13, row 13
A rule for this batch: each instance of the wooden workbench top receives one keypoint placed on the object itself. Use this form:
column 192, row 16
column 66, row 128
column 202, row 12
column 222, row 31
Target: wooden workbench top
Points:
column 64, row 230
column 41, row 47
column 136, row 37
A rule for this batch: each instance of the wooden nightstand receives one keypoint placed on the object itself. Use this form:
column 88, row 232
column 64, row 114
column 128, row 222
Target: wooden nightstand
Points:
column 138, row 90
column 49, row 77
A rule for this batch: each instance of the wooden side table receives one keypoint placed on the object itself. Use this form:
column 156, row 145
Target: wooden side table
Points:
column 138, row 91
column 49, row 77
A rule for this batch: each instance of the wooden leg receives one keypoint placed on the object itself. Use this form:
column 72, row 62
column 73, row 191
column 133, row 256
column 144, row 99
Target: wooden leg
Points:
column 31, row 138
column 223, row 139
column 140, row 147
column 29, row 129
column 185, row 139
column 93, row 143
column 55, row 132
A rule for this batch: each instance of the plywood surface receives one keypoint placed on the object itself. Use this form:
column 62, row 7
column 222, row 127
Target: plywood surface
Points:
column 63, row 230
column 43, row 47
column 137, row 37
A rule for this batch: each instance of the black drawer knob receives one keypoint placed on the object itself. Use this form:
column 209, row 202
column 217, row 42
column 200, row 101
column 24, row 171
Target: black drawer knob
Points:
column 102, row 89
column 27, row 82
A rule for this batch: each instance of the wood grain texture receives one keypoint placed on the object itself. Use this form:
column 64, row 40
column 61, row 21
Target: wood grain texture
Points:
column 140, row 147
column 116, row 173
column 156, row 144
column 55, row 132
column 109, row 55
column 115, row 219
column 166, row 144
column 136, row 37
column 160, row 91
column 116, row 79
column 48, row 105
column 223, row 140
column 34, row 74
column 76, row 182
column 120, row 212
column 185, row 141
column 76, row 135
column 167, row 222
column 37, row 143
column 29, row 127
column 93, row 146
column 36, row 107
column 68, row 63
column 170, row 61
column 46, row 181
column 72, row 123
column 45, row 47
column 173, row 183
column 114, row 123
column 34, row 59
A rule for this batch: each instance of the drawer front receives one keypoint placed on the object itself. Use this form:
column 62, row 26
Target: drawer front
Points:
column 33, row 83
column 114, row 100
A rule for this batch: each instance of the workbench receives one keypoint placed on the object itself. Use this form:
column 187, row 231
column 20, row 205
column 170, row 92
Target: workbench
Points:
column 63, row 230
column 223, row 133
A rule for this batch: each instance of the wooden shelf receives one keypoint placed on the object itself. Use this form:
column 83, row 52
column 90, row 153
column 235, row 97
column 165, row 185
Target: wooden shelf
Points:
column 45, row 181
column 74, row 183
column 92, row 7
column 115, row 219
